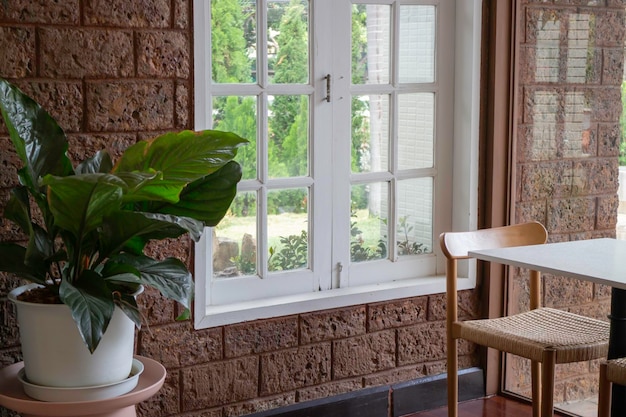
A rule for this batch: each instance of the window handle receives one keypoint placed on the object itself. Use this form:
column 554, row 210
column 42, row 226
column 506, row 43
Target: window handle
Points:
column 327, row 78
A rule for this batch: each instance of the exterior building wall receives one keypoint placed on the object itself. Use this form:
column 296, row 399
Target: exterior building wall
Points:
column 114, row 72
column 571, row 68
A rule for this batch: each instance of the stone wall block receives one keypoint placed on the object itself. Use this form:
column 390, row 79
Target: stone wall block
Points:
column 393, row 376
column 603, row 104
column 214, row 412
column 595, row 176
column 610, row 28
column 332, row 324
column 561, row 292
column 165, row 402
column 545, row 180
column 362, row 355
column 541, row 20
column 609, row 138
column 123, row 13
column 581, row 388
column 80, row 53
column 606, row 216
column 130, row 105
column 329, row 389
column 571, row 215
column 17, row 51
column 613, row 66
column 83, row 146
column 156, row 308
column 602, row 291
column 599, row 310
column 62, row 99
column 177, row 345
column 164, row 54
column 532, row 210
column 9, row 332
column 29, row 11
column 468, row 305
column 258, row 405
column 9, row 356
column 536, row 143
column 422, row 343
column 183, row 100
column 260, row 336
column 182, row 14
column 10, row 162
column 220, row 383
column 285, row 370
column 391, row 314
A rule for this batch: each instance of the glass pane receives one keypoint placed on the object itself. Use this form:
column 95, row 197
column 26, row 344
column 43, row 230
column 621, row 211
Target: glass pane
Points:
column 288, row 147
column 234, row 41
column 239, row 115
column 417, row 44
column 288, row 41
column 370, row 133
column 288, row 229
column 371, row 29
column 368, row 222
column 234, row 239
column 416, row 129
column 414, row 231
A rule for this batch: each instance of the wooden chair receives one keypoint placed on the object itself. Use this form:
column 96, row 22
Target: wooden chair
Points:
column 612, row 371
column 546, row 336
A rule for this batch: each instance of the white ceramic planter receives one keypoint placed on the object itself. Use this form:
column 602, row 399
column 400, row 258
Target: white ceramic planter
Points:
column 55, row 354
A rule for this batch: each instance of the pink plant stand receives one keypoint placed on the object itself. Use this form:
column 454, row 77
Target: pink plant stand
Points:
column 12, row 396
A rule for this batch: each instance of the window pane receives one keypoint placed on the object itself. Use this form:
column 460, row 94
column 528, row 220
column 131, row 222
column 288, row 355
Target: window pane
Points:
column 288, row 146
column 234, row 239
column 288, row 229
column 368, row 222
column 416, row 121
column 288, row 41
column 233, row 41
column 239, row 115
column 417, row 44
column 370, row 133
column 371, row 29
column 415, row 216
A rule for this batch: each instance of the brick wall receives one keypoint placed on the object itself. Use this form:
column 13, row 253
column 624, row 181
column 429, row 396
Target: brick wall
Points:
column 114, row 72
column 568, row 134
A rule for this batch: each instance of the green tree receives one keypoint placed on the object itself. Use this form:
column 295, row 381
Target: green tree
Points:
column 228, row 44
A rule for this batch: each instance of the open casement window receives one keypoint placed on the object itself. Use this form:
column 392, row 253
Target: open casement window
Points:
column 351, row 171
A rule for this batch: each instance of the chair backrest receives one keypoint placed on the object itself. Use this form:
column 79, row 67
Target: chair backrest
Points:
column 456, row 245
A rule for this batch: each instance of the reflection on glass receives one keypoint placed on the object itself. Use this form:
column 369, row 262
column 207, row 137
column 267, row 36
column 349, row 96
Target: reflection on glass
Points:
column 580, row 48
column 368, row 222
column 370, row 133
column 417, row 44
column 288, row 146
column 288, row 229
column 416, row 130
column 544, row 129
column 547, row 50
column 238, row 115
column 234, row 239
column 414, row 228
column 234, row 42
column 577, row 134
column 371, row 33
column 288, row 41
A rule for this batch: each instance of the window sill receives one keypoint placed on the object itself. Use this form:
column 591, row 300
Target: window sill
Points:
column 220, row 315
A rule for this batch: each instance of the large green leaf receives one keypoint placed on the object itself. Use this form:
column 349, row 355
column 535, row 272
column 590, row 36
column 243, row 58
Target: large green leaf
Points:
column 17, row 209
column 13, row 260
column 208, row 198
column 170, row 276
column 180, row 157
column 80, row 202
column 39, row 141
column 91, row 304
column 122, row 228
column 100, row 162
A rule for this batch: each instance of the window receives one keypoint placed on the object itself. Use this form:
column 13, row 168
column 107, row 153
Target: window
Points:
column 353, row 167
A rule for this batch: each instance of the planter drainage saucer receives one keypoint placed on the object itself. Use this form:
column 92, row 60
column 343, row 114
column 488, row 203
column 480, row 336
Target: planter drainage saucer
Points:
column 91, row 393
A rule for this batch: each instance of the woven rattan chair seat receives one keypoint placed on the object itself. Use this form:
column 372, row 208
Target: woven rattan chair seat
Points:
column 575, row 338
column 616, row 371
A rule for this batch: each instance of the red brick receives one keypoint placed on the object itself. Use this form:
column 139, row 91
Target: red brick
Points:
column 607, row 212
column 571, row 215
column 258, row 405
column 163, row 54
column 424, row 342
column 609, row 138
column 613, row 66
column 181, row 14
column 610, row 28
column 362, row 355
column 83, row 146
column 165, row 402
column 143, row 13
column 332, row 324
column 29, row 11
column 393, row 376
column 155, row 308
column 329, row 389
column 260, row 336
column 560, row 292
column 398, row 313
column 467, row 305
column 183, row 99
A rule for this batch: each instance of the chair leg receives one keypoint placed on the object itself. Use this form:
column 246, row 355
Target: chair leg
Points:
column 604, row 393
column 547, row 383
column 453, row 377
column 535, row 371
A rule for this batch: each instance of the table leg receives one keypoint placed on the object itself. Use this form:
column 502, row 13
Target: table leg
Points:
column 617, row 346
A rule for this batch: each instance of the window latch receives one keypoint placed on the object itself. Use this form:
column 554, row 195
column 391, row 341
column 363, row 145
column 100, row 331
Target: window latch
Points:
column 327, row 78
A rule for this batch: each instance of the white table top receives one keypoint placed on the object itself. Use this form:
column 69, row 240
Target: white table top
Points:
column 601, row 261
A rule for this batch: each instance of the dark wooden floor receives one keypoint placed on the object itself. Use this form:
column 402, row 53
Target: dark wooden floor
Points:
column 485, row 407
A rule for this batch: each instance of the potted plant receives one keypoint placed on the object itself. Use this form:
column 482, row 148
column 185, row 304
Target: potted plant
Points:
column 87, row 227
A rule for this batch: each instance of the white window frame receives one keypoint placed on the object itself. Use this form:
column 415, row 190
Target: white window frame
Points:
column 463, row 207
